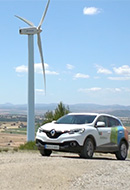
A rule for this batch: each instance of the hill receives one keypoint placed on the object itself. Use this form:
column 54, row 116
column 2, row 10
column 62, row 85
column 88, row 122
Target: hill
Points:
column 117, row 110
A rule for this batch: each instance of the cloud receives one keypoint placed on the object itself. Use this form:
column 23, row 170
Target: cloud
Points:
column 112, row 89
column 21, row 69
column 94, row 89
column 119, row 78
column 123, row 70
column 40, row 91
column 126, row 89
column 38, row 69
column 98, row 89
column 101, row 70
column 48, row 72
column 117, row 90
column 91, row 10
column 80, row 75
column 70, row 67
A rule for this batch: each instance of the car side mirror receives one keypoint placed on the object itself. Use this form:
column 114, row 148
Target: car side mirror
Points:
column 53, row 121
column 100, row 124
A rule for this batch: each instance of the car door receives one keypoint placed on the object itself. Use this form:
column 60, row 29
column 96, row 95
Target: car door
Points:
column 117, row 131
column 103, row 132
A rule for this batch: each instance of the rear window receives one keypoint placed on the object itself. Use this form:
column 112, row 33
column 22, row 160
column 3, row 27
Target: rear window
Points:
column 112, row 122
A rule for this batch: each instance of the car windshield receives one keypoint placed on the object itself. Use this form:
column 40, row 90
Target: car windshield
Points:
column 76, row 119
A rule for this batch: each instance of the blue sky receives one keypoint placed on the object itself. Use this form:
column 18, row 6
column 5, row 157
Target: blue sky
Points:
column 86, row 47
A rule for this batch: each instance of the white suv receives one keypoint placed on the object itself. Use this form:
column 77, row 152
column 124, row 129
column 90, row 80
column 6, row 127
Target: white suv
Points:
column 84, row 133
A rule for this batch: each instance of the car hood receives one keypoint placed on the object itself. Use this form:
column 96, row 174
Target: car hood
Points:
column 63, row 127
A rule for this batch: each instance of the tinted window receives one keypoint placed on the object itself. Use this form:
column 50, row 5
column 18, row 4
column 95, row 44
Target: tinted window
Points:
column 112, row 122
column 103, row 119
column 76, row 119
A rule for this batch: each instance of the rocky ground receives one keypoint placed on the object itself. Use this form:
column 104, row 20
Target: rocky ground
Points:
column 62, row 171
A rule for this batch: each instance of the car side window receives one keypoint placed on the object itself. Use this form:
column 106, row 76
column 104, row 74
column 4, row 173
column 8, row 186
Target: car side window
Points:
column 103, row 119
column 112, row 122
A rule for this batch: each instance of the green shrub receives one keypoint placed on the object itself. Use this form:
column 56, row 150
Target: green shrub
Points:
column 5, row 149
column 15, row 149
column 28, row 146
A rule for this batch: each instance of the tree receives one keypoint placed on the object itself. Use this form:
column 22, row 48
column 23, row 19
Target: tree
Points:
column 48, row 117
column 60, row 111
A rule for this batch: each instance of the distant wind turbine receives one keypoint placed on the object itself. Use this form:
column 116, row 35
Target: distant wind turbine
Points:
column 30, row 31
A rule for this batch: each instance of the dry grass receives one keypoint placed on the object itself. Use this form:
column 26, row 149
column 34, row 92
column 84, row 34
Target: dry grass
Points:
column 11, row 140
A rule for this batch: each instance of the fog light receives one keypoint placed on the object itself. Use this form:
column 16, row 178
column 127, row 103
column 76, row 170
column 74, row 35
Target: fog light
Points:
column 73, row 144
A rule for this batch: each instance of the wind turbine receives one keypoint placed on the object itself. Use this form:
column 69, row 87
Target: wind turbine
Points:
column 31, row 31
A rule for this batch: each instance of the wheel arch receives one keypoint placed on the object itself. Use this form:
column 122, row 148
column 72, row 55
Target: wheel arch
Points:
column 123, row 139
column 93, row 139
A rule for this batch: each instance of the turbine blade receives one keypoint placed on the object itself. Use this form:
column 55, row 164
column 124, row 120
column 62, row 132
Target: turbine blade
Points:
column 44, row 14
column 42, row 60
column 26, row 21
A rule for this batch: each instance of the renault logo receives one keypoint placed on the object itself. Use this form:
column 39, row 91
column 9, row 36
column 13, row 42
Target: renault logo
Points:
column 53, row 132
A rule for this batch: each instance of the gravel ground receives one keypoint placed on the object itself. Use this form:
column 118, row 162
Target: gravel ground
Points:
column 31, row 171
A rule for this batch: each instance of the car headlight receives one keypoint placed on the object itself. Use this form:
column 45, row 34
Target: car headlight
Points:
column 40, row 130
column 81, row 130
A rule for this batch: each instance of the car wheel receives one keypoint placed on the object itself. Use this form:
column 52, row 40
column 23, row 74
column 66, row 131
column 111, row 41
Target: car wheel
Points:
column 122, row 153
column 45, row 152
column 88, row 149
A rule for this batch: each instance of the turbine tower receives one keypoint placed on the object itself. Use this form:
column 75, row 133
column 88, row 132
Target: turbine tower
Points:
column 31, row 31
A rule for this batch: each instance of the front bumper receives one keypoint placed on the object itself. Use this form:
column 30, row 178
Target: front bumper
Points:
column 68, row 146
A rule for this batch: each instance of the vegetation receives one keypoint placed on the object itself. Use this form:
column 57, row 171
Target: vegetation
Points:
column 60, row 111
column 48, row 117
column 28, row 146
column 22, row 131
column 4, row 149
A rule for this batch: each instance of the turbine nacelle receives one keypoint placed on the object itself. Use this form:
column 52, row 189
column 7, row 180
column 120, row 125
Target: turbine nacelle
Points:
column 30, row 31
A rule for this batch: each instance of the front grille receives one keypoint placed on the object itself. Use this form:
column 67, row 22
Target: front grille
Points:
column 56, row 135
column 53, row 134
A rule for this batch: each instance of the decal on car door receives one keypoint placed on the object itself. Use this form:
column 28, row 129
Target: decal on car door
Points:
column 117, row 133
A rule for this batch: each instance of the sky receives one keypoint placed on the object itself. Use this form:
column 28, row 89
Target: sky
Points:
column 86, row 48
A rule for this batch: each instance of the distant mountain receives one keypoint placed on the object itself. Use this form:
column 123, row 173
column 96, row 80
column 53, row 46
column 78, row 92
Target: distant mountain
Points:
column 117, row 110
column 120, row 113
column 97, row 108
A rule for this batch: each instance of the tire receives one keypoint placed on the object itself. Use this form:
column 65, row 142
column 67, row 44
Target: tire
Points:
column 123, row 150
column 45, row 152
column 88, row 149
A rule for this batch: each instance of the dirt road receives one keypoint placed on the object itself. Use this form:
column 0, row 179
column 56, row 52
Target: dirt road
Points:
column 31, row 171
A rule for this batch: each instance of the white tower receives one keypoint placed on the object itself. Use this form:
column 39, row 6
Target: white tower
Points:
column 30, row 31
